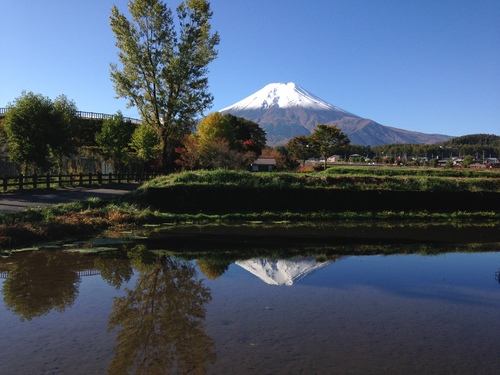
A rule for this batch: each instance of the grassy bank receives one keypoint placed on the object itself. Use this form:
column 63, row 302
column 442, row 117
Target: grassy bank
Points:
column 92, row 215
column 351, row 189
column 343, row 178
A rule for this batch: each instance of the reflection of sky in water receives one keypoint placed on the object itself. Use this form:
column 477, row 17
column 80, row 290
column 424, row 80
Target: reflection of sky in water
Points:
column 456, row 268
column 456, row 277
column 375, row 314
column 368, row 314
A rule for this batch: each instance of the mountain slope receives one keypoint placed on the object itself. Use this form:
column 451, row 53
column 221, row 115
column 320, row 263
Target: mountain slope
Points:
column 285, row 110
column 367, row 132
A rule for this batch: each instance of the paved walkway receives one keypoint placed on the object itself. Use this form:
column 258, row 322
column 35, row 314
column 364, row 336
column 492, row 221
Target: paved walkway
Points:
column 15, row 202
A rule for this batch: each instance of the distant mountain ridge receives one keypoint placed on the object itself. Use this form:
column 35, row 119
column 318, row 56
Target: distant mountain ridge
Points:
column 286, row 110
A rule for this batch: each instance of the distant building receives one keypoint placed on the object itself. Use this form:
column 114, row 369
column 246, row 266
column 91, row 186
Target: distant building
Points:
column 354, row 157
column 334, row 159
column 264, row 165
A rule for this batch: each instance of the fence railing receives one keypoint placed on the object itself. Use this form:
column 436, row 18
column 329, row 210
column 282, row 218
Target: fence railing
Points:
column 91, row 115
column 104, row 116
column 21, row 182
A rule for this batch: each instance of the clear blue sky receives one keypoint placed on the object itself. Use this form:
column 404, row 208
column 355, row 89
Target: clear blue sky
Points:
column 426, row 65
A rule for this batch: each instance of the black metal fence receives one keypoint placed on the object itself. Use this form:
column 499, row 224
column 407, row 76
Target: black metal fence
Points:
column 21, row 182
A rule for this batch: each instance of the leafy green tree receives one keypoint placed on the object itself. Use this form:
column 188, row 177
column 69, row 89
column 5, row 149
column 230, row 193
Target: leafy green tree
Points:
column 468, row 160
column 326, row 139
column 39, row 130
column 164, row 74
column 64, row 129
column 145, row 141
column 215, row 127
column 300, row 147
column 247, row 133
column 241, row 134
column 222, row 141
column 114, row 139
column 25, row 124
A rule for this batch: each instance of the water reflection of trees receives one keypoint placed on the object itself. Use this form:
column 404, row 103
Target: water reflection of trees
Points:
column 161, row 320
column 212, row 268
column 40, row 282
column 114, row 269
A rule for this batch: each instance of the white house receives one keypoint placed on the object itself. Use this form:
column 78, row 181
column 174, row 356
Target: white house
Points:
column 334, row 159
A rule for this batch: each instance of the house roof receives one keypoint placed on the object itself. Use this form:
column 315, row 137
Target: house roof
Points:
column 264, row 161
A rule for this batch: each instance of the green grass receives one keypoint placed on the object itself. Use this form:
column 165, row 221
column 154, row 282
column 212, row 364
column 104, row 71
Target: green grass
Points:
column 404, row 171
column 403, row 179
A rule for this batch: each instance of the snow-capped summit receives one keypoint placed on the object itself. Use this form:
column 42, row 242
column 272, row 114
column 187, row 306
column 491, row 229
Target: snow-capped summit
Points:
column 281, row 95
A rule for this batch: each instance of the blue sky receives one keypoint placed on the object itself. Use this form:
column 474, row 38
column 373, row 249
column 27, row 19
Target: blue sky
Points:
column 425, row 65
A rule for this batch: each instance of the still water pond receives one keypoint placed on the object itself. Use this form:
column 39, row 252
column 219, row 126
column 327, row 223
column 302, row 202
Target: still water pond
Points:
column 155, row 313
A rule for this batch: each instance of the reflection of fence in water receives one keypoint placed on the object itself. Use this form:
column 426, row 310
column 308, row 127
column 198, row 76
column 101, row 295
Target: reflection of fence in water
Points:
column 497, row 275
column 93, row 272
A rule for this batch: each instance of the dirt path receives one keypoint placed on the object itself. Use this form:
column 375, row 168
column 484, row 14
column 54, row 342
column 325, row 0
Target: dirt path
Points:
column 15, row 202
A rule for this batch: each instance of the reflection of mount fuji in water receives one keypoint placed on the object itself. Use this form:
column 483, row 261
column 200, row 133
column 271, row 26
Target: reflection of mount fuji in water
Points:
column 282, row 271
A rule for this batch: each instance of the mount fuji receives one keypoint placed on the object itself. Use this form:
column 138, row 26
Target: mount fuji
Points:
column 281, row 271
column 286, row 110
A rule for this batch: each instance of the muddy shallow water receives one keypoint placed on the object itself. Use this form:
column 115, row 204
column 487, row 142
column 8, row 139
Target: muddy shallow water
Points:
column 142, row 310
